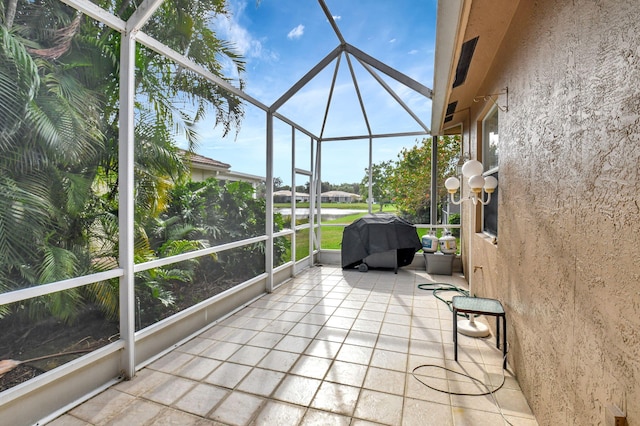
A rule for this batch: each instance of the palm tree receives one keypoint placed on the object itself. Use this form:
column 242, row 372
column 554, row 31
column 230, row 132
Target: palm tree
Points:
column 59, row 136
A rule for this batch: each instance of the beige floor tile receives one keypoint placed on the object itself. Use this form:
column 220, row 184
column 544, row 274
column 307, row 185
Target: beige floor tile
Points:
column 323, row 309
column 279, row 413
column 459, row 371
column 248, row 355
column 240, row 336
column 237, row 409
column 332, row 334
column 69, row 420
column 496, row 376
column 519, row 421
column 375, row 307
column 396, row 330
column 169, row 391
column 228, row 375
column 390, row 360
column 221, row 350
column 513, row 402
column 195, row 345
column 171, row 417
column 218, row 332
column 398, row 309
column 352, row 304
column 282, row 327
column 237, row 320
column 385, row 380
column 279, row 360
column 316, row 319
column 138, row 412
column 336, row 398
column 305, row 330
column 340, row 322
column 305, row 305
column 324, row 418
column 419, row 413
column 466, row 417
column 103, row 406
column 255, row 312
column 379, row 407
column 360, row 296
column 346, row 312
column 291, row 316
column 171, row 362
column 446, row 325
column 378, row 298
column 294, row 344
column 323, row 348
column 482, row 403
column 371, row 315
column 143, row 381
column 265, row 339
column 361, row 338
column 311, row 366
column 256, row 324
column 198, row 368
column 297, row 390
column 426, row 334
column 392, row 343
column 261, row 382
column 427, row 349
column 397, row 319
column 347, row 373
column 355, row 354
column 367, row 325
column 465, row 353
column 201, row 399
column 428, row 389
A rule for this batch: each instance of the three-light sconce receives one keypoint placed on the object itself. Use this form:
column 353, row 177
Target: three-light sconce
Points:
column 472, row 170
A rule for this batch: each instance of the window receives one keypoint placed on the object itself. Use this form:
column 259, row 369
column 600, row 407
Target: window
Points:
column 490, row 153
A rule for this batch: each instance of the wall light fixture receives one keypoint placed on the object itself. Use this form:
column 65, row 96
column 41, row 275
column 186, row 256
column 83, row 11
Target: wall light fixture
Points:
column 472, row 170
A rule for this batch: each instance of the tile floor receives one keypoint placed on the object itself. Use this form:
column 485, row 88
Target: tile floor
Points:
column 330, row 347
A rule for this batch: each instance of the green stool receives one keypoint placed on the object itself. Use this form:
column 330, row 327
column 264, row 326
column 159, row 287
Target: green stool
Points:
column 480, row 306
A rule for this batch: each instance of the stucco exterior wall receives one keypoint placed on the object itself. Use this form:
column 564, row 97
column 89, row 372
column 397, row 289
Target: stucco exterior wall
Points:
column 567, row 262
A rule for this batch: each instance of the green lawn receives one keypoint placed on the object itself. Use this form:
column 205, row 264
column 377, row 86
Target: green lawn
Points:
column 388, row 208
column 332, row 235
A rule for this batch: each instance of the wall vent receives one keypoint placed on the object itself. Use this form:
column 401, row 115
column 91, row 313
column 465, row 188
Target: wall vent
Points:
column 466, row 53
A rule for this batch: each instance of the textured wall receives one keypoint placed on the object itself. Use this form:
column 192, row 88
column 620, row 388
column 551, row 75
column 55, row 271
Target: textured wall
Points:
column 567, row 264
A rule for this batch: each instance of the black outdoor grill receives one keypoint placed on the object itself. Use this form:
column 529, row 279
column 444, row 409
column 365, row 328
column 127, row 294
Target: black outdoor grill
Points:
column 379, row 241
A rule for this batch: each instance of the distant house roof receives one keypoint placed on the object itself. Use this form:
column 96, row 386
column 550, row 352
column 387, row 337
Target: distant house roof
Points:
column 287, row 193
column 204, row 167
column 201, row 160
column 339, row 194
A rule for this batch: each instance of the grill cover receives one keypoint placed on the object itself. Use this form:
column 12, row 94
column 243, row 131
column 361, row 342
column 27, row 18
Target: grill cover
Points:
column 376, row 234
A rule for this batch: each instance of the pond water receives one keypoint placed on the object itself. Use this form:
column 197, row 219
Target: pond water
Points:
column 327, row 213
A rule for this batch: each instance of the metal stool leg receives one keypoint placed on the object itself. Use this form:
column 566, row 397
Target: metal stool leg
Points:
column 504, row 341
column 455, row 334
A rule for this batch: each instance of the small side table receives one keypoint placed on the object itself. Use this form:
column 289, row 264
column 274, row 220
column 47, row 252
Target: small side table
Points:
column 480, row 306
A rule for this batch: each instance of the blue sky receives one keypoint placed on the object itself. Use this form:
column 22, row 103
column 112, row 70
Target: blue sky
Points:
column 281, row 40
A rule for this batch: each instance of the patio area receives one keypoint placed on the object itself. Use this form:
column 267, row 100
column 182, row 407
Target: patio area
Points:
column 329, row 347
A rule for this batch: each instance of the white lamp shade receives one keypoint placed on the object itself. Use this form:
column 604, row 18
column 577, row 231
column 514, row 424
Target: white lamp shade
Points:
column 476, row 183
column 452, row 184
column 490, row 184
column 472, row 168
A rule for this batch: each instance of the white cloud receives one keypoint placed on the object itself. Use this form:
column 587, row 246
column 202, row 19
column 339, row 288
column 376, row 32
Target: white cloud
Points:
column 393, row 40
column 297, row 32
column 228, row 28
column 413, row 51
column 336, row 18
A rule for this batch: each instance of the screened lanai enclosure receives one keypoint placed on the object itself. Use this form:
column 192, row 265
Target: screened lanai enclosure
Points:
column 111, row 254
